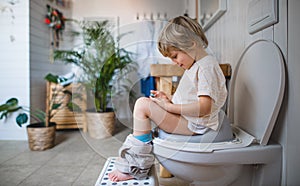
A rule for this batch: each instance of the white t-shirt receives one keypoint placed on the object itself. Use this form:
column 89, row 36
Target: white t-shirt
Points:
column 205, row 77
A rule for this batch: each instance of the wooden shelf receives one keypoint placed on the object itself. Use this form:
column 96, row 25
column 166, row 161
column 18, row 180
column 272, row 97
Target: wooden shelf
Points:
column 64, row 118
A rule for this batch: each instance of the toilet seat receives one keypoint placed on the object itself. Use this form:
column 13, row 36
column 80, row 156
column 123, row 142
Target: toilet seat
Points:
column 242, row 139
column 253, row 154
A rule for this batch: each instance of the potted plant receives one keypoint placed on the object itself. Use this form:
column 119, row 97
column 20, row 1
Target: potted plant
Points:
column 102, row 63
column 41, row 134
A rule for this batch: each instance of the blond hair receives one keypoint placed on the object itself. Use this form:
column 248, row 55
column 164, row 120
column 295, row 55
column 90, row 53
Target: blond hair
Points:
column 181, row 33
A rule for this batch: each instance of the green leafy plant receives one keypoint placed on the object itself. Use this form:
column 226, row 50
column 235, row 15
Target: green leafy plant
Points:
column 56, row 103
column 100, row 59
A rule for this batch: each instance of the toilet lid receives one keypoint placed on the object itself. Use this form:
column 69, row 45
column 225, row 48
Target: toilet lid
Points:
column 257, row 89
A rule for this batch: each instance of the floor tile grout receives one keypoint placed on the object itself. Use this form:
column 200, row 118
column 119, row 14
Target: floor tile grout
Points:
column 12, row 158
column 83, row 170
column 86, row 168
column 40, row 167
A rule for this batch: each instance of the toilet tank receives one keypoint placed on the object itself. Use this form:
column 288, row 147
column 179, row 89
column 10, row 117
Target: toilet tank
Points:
column 257, row 89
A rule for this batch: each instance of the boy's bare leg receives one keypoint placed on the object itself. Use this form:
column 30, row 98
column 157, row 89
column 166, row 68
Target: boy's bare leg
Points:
column 141, row 125
column 145, row 110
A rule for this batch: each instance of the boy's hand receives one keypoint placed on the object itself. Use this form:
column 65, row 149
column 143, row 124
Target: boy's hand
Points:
column 158, row 94
column 161, row 99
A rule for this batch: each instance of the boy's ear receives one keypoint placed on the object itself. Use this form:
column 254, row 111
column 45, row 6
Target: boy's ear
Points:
column 194, row 44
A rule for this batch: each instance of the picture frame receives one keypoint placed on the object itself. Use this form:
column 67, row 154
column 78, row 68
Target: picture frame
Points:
column 209, row 11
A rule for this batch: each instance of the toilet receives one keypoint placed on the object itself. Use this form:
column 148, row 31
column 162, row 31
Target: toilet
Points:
column 255, row 97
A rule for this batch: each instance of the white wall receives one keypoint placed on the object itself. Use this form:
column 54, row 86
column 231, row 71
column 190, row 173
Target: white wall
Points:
column 126, row 9
column 14, row 62
column 26, row 60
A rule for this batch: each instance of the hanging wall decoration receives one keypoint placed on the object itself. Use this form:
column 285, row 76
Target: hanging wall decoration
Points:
column 7, row 7
column 56, row 21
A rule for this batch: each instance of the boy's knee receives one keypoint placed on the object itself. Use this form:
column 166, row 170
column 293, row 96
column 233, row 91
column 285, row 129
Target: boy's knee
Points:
column 142, row 105
column 142, row 101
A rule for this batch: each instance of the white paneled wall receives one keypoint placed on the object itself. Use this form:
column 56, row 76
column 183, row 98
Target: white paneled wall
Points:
column 229, row 36
column 14, row 62
column 293, row 117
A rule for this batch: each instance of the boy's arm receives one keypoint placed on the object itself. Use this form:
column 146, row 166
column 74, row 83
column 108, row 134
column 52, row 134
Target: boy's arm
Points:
column 200, row 108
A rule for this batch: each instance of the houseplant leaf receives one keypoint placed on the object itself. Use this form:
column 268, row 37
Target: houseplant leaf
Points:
column 73, row 107
column 56, row 106
column 52, row 78
column 10, row 104
column 21, row 119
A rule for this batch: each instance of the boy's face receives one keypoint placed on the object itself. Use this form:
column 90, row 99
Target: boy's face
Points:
column 182, row 59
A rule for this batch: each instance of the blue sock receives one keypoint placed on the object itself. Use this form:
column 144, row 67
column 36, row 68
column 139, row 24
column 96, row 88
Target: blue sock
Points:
column 145, row 137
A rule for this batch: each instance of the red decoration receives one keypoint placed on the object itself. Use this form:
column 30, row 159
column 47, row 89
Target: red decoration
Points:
column 47, row 20
column 55, row 20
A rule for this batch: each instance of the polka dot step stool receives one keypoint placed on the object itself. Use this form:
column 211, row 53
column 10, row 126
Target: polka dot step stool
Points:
column 109, row 166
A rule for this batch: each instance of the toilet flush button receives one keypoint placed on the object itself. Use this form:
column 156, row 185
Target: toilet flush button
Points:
column 262, row 14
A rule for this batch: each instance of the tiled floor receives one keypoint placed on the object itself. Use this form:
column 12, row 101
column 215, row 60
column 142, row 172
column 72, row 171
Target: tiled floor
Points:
column 76, row 160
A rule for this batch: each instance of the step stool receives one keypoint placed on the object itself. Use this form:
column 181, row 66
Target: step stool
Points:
column 110, row 166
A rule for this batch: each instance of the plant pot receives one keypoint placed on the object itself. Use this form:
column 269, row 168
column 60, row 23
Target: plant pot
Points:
column 100, row 125
column 40, row 137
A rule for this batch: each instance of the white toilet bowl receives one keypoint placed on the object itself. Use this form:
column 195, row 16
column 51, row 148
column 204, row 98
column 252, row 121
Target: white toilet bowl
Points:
column 256, row 94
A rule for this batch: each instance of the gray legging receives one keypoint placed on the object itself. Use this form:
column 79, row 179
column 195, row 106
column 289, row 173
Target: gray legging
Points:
column 224, row 133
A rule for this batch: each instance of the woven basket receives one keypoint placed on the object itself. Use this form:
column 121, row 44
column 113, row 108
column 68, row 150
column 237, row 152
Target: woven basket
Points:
column 100, row 125
column 40, row 137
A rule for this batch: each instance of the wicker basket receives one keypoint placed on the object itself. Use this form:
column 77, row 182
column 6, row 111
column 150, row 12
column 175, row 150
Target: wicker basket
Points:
column 40, row 137
column 100, row 125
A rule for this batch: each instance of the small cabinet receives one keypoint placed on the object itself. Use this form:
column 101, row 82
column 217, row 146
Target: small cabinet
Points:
column 65, row 118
